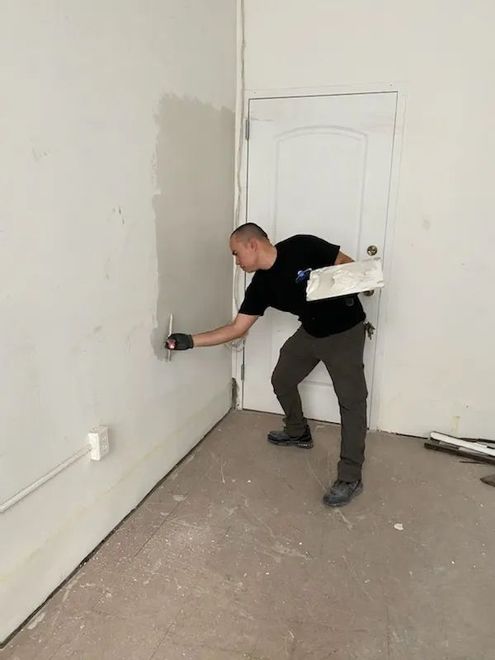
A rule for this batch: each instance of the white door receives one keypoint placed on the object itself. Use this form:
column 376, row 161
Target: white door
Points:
column 316, row 165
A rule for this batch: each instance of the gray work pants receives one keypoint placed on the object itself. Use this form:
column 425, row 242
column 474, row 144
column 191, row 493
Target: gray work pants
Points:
column 342, row 355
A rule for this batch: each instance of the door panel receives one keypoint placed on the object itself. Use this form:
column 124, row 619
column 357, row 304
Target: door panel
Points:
column 318, row 165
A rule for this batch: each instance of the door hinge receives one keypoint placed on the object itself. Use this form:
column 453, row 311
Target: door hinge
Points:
column 246, row 129
column 243, row 370
column 370, row 329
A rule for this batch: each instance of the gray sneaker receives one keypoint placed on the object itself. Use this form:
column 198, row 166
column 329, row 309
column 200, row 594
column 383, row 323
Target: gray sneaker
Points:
column 342, row 492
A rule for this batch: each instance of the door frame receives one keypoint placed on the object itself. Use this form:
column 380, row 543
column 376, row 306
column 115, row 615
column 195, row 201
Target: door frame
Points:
column 241, row 212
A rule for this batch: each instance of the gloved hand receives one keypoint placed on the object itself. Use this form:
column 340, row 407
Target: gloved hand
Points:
column 178, row 341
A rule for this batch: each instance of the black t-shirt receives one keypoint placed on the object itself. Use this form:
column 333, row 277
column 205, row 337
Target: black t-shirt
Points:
column 277, row 287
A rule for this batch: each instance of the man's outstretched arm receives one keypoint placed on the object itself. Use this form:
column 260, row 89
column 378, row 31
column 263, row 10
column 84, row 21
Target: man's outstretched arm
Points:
column 237, row 328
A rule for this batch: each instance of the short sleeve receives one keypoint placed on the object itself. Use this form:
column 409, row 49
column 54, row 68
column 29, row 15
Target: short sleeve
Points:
column 321, row 253
column 255, row 299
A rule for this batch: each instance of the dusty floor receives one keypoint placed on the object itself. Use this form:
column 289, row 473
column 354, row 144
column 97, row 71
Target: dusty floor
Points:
column 234, row 556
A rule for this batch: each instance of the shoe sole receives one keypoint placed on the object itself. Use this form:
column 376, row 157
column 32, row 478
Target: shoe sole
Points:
column 290, row 443
column 335, row 505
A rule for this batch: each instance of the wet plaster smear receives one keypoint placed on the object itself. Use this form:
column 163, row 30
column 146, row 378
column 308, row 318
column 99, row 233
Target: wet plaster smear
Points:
column 193, row 216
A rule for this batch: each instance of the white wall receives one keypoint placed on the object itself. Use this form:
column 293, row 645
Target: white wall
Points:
column 438, row 360
column 117, row 134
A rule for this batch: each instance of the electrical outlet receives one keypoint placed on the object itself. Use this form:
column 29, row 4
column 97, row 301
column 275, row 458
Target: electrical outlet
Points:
column 100, row 445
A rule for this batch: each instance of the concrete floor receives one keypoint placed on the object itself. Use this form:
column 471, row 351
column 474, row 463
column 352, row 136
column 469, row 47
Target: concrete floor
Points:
column 234, row 556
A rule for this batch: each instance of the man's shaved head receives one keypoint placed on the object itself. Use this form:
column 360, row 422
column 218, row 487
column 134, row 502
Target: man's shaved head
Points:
column 251, row 248
column 248, row 231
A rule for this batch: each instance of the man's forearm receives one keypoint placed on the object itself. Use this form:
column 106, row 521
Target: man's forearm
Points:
column 343, row 258
column 218, row 336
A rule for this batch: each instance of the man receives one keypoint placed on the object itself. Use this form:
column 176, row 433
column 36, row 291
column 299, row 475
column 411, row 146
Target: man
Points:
column 332, row 331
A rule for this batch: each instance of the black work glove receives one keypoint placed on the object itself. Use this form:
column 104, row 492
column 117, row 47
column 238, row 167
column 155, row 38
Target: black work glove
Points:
column 178, row 341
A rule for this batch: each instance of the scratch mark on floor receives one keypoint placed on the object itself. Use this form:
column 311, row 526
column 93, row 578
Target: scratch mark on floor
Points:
column 356, row 578
column 347, row 522
column 314, row 474
column 289, row 552
column 221, row 462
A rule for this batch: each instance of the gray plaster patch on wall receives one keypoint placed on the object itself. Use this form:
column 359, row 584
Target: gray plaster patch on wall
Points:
column 193, row 216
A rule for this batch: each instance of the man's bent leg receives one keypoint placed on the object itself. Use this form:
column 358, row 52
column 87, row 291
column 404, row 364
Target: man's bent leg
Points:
column 344, row 360
column 296, row 361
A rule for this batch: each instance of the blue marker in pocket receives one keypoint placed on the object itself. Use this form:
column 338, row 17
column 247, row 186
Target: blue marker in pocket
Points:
column 303, row 275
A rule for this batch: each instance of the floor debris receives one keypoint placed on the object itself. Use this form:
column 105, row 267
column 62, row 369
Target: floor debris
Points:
column 481, row 450
column 489, row 479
